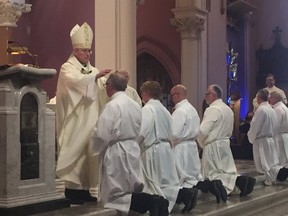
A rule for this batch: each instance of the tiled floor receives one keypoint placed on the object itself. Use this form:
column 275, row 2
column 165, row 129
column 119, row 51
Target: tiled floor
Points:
column 262, row 201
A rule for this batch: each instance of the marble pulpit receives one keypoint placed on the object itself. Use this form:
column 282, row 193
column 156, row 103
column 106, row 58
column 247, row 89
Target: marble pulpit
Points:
column 27, row 143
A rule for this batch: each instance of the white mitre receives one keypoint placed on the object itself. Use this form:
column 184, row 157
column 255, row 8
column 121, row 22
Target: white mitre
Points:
column 81, row 37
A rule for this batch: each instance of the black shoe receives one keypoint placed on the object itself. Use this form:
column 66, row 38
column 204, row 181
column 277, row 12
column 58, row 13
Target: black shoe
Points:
column 195, row 196
column 143, row 202
column 74, row 196
column 282, row 174
column 164, row 204
column 156, row 204
column 250, row 186
column 214, row 189
column 203, row 186
column 87, row 197
column 79, row 196
column 222, row 190
column 189, row 198
column 242, row 184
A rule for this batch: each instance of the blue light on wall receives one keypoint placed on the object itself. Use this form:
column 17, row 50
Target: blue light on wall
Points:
column 232, row 65
column 233, row 91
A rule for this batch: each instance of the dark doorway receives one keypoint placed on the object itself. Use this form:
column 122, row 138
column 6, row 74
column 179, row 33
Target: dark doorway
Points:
column 149, row 68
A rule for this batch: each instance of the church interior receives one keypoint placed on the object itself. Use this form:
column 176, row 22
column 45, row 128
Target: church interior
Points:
column 232, row 43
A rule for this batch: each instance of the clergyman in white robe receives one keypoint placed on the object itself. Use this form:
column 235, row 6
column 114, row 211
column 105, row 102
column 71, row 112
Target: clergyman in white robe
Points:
column 270, row 83
column 214, row 137
column 185, row 126
column 272, row 89
column 160, row 174
column 78, row 102
column 159, row 167
column 261, row 134
column 281, row 136
column 114, row 138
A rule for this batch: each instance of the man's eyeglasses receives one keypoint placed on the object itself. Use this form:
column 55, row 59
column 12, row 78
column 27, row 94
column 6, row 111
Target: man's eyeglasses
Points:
column 89, row 51
column 208, row 93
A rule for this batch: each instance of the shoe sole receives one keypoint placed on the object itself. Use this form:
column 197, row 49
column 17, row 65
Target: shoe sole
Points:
column 163, row 210
column 188, row 201
column 216, row 192
column 194, row 202
column 244, row 190
column 222, row 190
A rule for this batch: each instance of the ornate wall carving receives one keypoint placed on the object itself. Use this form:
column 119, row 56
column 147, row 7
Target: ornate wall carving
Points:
column 10, row 12
column 189, row 24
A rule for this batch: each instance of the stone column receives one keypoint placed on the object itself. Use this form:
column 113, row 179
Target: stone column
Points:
column 190, row 22
column 10, row 12
column 115, row 35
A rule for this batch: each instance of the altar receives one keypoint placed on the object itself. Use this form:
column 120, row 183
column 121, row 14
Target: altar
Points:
column 27, row 143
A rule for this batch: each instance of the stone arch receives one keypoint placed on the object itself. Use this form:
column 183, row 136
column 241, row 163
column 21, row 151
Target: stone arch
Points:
column 157, row 62
column 163, row 54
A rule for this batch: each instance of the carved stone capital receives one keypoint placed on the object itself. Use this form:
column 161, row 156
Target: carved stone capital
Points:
column 10, row 12
column 189, row 25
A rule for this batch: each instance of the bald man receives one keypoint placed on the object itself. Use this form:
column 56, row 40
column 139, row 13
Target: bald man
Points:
column 185, row 126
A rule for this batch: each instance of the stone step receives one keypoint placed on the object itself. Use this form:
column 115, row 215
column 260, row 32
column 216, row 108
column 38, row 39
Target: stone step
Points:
column 205, row 197
column 261, row 200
